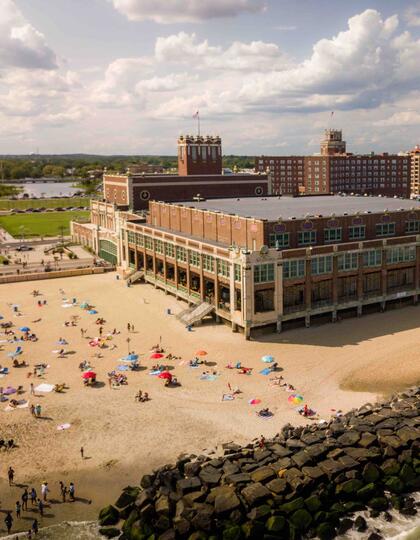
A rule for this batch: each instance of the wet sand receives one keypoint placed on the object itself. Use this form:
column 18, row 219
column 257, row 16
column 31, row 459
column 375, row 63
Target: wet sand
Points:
column 123, row 439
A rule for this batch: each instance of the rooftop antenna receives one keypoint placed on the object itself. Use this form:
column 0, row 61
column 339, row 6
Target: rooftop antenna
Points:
column 196, row 116
column 330, row 119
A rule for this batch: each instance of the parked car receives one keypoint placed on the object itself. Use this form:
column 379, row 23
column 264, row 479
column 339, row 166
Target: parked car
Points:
column 24, row 248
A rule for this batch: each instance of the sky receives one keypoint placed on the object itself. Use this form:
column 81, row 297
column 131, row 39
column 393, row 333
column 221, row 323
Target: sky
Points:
column 127, row 76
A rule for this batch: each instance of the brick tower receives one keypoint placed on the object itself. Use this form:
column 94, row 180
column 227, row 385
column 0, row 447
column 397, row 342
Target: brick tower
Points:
column 332, row 143
column 199, row 155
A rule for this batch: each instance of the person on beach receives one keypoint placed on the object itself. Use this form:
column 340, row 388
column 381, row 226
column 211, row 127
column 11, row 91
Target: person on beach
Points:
column 35, row 526
column 82, row 452
column 18, row 509
column 29, row 534
column 128, row 327
column 24, row 499
column 33, row 496
column 32, row 391
column 11, row 475
column 8, row 520
column 63, row 493
column 44, row 490
column 71, row 491
column 41, row 507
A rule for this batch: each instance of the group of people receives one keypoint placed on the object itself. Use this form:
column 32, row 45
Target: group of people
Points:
column 141, row 396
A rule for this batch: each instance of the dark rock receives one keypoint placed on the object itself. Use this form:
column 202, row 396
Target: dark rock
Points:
column 345, row 525
column 367, row 491
column 260, row 512
column 367, row 439
column 316, row 450
column 301, row 519
column 210, row 475
column 181, row 526
column 192, row 469
column 128, row 496
column 109, row 532
column 282, row 463
column 301, row 458
column 374, row 536
column 275, row 524
column 312, row 438
column 349, row 438
column 391, row 440
column 407, row 474
column 255, row 493
column 147, row 481
column 313, row 503
column 360, row 524
column 186, row 485
column 109, row 516
column 162, row 506
column 253, row 530
column 348, row 462
column 278, row 485
column 407, row 434
column 378, row 503
column 144, row 498
column 295, row 444
column 325, row 531
column 226, row 501
column 168, row 535
column 371, row 473
column 264, row 474
column 313, row 472
column 230, row 468
column 233, row 533
column 280, row 451
column 330, row 466
column 394, row 484
column 292, row 506
column 240, row 478
column 390, row 467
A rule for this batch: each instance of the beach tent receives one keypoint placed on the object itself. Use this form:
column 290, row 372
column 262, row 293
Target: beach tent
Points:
column 24, row 329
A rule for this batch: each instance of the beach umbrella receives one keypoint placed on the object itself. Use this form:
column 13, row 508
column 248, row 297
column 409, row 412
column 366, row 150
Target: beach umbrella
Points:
column 92, row 312
column 267, row 358
column 201, row 353
column 89, row 375
column 156, row 355
column 254, row 401
column 295, row 399
column 165, row 375
column 24, row 328
column 9, row 390
column 131, row 358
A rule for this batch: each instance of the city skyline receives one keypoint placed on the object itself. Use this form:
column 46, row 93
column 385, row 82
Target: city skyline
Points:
column 127, row 76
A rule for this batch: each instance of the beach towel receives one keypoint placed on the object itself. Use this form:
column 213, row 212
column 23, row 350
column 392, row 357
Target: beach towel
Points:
column 208, row 377
column 22, row 404
column 123, row 368
column 66, row 305
column 62, row 427
column 265, row 371
column 44, row 387
column 228, row 397
column 265, row 417
column 154, row 372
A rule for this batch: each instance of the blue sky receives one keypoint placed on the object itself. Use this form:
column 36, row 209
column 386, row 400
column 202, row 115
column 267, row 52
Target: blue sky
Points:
column 126, row 76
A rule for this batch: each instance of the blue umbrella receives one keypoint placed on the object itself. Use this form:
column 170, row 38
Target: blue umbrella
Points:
column 24, row 328
column 1, row 317
column 92, row 312
column 131, row 358
column 267, row 359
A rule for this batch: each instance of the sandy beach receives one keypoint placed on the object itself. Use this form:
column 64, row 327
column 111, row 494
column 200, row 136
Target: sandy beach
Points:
column 332, row 366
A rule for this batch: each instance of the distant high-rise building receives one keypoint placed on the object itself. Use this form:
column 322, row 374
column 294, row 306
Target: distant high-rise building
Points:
column 332, row 143
column 415, row 170
column 335, row 171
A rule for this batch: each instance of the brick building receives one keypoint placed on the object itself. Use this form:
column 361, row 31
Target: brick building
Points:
column 335, row 171
column 199, row 174
column 268, row 262
column 414, row 156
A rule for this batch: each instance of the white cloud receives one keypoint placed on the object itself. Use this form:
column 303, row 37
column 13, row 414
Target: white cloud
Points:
column 22, row 45
column 175, row 11
column 412, row 15
column 401, row 118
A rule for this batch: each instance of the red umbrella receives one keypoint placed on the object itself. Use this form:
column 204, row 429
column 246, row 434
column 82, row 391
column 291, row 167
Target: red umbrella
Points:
column 165, row 375
column 201, row 353
column 156, row 355
column 89, row 375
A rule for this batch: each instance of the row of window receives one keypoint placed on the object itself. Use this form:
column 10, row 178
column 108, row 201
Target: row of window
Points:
column 334, row 235
column 295, row 269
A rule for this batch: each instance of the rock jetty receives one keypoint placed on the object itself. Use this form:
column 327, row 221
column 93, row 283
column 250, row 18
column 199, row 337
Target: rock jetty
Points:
column 305, row 482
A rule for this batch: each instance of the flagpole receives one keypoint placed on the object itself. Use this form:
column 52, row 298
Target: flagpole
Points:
column 198, row 123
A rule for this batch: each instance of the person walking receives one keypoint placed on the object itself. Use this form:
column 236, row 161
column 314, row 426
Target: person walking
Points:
column 41, row 507
column 128, row 327
column 44, row 490
column 33, row 496
column 11, row 475
column 35, row 526
column 8, row 520
column 32, row 389
column 71, row 491
column 24, row 498
column 18, row 509
column 82, row 452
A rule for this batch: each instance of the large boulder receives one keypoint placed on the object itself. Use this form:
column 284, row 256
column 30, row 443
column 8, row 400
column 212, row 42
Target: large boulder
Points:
column 109, row 516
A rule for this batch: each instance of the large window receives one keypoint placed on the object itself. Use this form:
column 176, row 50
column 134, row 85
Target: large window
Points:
column 131, row 237
column 159, row 246
column 347, row 262
column 333, row 235
column 372, row 257
column 279, row 240
column 263, row 273
column 139, row 239
column 237, row 272
column 321, row 265
column 306, row 238
column 385, row 229
column 181, row 254
column 357, row 232
column 412, row 226
column 149, row 243
column 170, row 250
column 223, row 268
column 195, row 259
column 400, row 254
column 208, row 263
column 294, row 269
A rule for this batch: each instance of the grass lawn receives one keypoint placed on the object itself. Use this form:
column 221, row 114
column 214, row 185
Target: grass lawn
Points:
column 43, row 224
column 23, row 204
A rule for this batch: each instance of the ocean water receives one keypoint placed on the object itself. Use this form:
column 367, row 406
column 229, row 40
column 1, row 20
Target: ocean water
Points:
column 400, row 528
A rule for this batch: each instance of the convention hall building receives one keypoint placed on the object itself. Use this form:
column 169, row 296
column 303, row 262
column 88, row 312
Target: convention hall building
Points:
column 266, row 262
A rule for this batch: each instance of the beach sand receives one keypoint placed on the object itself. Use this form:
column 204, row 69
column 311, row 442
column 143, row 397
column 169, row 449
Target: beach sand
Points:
column 123, row 439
